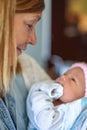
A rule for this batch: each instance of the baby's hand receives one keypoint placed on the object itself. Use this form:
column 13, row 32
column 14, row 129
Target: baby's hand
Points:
column 56, row 91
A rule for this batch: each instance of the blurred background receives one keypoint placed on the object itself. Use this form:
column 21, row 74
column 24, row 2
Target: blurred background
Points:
column 61, row 36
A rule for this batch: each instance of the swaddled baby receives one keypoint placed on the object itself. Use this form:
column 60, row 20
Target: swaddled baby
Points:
column 55, row 105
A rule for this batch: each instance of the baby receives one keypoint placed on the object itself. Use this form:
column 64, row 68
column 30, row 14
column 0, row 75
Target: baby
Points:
column 55, row 105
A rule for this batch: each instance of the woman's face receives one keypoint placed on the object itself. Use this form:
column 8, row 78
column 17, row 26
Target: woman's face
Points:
column 25, row 29
column 73, row 82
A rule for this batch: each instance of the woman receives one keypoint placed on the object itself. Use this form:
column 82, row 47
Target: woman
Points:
column 17, row 29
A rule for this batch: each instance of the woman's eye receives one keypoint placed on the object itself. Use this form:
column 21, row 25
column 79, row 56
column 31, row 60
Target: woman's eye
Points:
column 29, row 26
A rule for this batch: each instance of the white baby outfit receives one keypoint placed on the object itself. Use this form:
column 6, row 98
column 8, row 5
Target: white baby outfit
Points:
column 43, row 115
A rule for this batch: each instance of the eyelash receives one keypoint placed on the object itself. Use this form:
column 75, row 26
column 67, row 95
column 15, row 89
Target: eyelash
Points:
column 29, row 26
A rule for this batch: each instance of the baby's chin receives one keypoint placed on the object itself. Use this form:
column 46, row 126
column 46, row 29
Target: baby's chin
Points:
column 57, row 102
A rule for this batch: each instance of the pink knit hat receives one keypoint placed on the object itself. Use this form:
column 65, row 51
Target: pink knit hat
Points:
column 83, row 66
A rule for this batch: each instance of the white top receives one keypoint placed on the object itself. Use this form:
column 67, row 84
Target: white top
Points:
column 43, row 115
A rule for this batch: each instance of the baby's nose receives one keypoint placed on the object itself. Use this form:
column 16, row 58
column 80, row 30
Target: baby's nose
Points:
column 61, row 79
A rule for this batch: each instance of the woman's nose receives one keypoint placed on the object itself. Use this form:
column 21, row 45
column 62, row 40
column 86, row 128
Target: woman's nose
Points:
column 32, row 39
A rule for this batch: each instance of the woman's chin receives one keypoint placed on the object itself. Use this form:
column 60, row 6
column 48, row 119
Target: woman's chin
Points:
column 19, row 52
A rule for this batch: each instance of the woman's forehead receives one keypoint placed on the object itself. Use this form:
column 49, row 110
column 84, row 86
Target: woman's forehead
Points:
column 30, row 15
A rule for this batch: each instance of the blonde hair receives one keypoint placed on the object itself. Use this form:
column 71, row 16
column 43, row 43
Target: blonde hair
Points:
column 29, row 5
column 8, row 54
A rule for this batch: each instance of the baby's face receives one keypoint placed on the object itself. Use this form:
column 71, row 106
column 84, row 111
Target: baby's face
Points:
column 73, row 82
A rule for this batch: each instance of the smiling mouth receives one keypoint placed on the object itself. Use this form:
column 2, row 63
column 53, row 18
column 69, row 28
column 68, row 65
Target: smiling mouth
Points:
column 19, row 51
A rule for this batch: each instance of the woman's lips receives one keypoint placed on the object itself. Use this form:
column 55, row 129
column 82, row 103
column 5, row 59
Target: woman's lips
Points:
column 19, row 51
